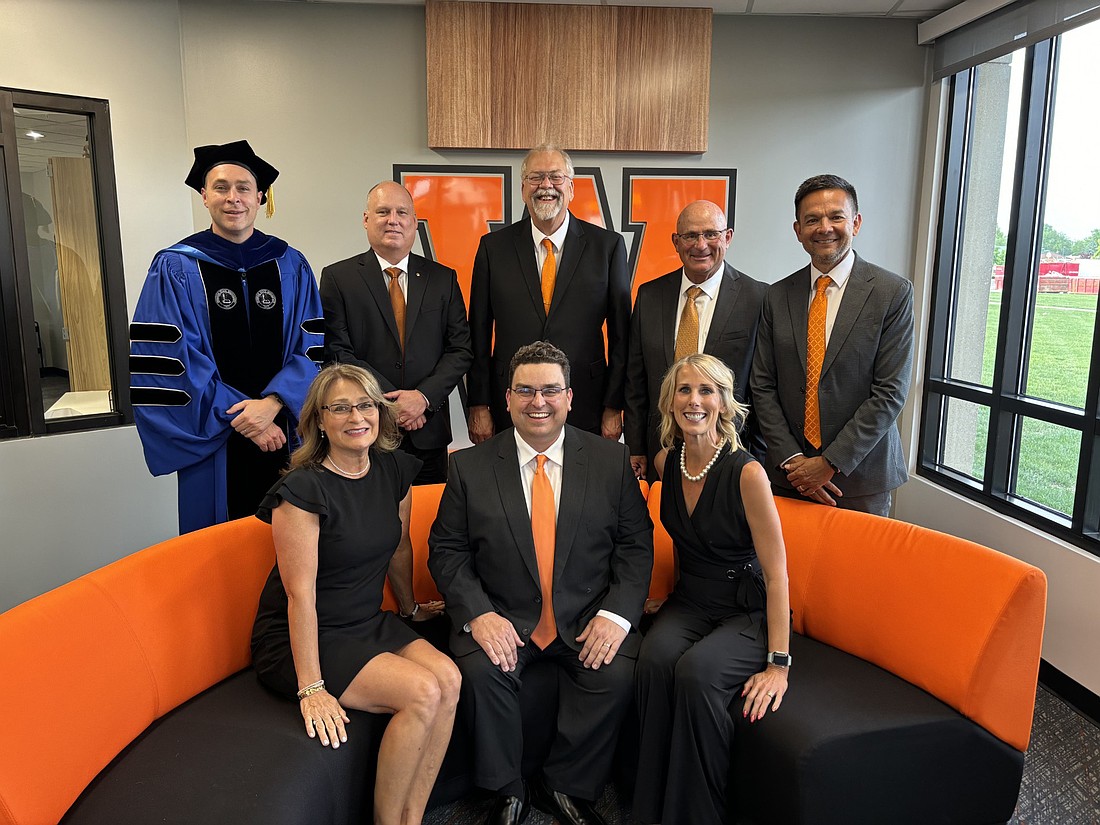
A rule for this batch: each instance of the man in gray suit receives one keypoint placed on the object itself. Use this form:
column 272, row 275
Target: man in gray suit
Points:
column 705, row 306
column 843, row 325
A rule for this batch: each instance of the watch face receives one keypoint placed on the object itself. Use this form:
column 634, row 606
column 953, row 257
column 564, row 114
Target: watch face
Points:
column 781, row 659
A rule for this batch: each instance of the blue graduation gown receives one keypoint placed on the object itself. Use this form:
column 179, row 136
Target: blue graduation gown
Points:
column 180, row 358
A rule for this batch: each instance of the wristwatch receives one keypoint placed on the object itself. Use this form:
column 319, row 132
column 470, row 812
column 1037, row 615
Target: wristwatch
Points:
column 780, row 658
column 415, row 610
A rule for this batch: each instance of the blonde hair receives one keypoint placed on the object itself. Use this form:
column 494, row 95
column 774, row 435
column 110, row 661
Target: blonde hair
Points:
column 732, row 413
column 314, row 448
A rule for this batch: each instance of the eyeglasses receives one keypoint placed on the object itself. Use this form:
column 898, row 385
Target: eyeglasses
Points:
column 710, row 236
column 345, row 409
column 528, row 393
column 556, row 178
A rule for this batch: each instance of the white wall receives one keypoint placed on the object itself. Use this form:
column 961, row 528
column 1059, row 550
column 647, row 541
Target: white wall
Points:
column 71, row 503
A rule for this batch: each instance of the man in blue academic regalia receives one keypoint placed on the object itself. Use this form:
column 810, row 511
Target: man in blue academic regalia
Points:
column 221, row 346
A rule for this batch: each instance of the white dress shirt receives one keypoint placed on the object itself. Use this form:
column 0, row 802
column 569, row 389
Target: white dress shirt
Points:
column 402, row 279
column 528, row 462
column 704, row 303
column 557, row 240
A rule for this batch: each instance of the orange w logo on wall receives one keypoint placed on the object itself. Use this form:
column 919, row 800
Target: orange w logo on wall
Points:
column 653, row 199
column 456, row 205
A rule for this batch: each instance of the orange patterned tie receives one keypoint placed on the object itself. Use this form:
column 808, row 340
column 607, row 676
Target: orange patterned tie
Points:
column 815, row 356
column 397, row 299
column 549, row 274
column 687, row 336
column 543, row 530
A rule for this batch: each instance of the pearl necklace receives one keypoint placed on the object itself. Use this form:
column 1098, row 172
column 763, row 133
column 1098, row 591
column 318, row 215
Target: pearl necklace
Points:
column 344, row 472
column 702, row 475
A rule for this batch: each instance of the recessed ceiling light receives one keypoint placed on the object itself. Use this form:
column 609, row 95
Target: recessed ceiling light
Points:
column 33, row 135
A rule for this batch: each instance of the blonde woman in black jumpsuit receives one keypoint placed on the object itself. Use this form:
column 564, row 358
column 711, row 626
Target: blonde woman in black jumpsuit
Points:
column 728, row 612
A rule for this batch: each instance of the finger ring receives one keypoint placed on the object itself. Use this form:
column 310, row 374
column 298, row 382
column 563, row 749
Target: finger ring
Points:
column 607, row 644
column 771, row 694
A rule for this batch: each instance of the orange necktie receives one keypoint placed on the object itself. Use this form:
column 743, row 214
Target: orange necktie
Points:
column 687, row 336
column 397, row 299
column 549, row 274
column 815, row 356
column 543, row 529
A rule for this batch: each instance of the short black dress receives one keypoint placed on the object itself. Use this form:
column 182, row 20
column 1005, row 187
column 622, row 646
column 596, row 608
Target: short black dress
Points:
column 360, row 529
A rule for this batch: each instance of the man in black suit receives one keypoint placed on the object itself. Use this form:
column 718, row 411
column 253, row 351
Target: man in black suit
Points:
column 839, row 446
column 705, row 306
column 496, row 567
column 402, row 317
column 550, row 277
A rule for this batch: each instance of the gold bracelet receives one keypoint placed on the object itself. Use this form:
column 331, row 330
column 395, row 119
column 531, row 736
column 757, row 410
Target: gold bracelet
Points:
column 309, row 690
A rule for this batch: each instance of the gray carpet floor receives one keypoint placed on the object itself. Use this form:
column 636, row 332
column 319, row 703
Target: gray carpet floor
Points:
column 1061, row 784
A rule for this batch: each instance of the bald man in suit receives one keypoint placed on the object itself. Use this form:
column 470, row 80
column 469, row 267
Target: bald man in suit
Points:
column 410, row 330
column 726, row 314
column 839, row 446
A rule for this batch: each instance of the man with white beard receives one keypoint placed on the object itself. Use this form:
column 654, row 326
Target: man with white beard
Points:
column 556, row 278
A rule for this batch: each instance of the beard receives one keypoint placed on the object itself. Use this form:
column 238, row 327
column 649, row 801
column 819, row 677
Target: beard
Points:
column 546, row 211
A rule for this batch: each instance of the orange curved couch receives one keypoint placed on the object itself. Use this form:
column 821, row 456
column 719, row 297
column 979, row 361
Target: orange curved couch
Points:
column 89, row 667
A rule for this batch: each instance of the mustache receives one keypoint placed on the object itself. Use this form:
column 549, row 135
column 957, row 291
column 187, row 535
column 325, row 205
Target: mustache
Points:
column 547, row 190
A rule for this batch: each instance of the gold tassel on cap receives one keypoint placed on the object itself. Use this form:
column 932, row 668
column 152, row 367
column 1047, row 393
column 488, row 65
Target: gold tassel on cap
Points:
column 270, row 195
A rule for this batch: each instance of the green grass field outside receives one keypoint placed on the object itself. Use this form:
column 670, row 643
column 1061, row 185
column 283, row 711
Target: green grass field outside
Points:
column 1058, row 370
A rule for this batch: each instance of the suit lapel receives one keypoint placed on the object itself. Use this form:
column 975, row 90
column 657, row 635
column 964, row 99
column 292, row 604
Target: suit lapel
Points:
column 670, row 297
column 574, row 483
column 510, row 489
column 567, row 264
column 797, row 288
column 374, row 280
column 414, row 294
column 525, row 252
column 728, row 289
column 856, row 292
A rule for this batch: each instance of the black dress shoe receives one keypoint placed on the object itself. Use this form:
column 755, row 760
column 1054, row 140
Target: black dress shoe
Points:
column 565, row 809
column 509, row 810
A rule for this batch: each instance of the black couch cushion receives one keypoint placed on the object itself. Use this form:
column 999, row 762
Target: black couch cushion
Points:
column 852, row 743
column 236, row 753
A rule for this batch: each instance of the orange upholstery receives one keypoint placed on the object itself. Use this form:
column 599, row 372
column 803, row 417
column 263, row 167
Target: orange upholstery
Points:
column 425, row 503
column 959, row 620
column 664, row 563
column 88, row 666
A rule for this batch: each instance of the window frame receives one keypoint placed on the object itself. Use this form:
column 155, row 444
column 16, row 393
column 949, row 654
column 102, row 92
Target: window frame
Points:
column 20, row 384
column 1005, row 400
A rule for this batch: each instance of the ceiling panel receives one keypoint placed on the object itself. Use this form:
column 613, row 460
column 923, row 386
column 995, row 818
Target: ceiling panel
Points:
column 913, row 9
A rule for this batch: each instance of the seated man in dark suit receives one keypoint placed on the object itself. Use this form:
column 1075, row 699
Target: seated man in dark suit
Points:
column 401, row 317
column 704, row 306
column 543, row 508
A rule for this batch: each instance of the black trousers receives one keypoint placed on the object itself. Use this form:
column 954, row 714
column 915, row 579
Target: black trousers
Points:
column 591, row 707
column 434, row 470
column 693, row 663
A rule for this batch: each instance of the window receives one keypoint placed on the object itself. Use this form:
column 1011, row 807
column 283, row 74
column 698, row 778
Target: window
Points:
column 1013, row 373
column 62, row 301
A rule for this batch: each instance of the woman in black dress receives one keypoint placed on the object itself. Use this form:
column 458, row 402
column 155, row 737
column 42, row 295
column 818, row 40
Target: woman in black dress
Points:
column 728, row 615
column 340, row 521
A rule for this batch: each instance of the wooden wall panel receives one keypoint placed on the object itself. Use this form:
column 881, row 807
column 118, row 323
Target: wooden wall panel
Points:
column 80, row 273
column 511, row 75
column 459, row 104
